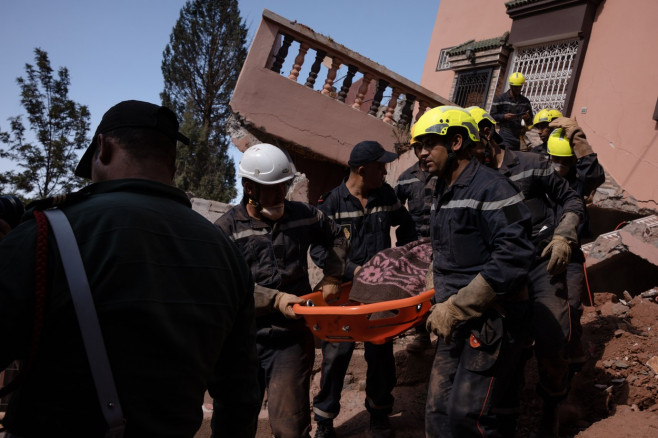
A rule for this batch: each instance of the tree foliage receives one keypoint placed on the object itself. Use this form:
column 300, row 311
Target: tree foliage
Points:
column 200, row 66
column 59, row 126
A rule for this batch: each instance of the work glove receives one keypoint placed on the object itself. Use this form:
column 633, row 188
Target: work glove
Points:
column 468, row 303
column 283, row 302
column 429, row 277
column 575, row 135
column 330, row 287
column 564, row 237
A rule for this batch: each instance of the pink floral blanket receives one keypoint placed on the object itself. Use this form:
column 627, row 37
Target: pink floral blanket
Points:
column 393, row 273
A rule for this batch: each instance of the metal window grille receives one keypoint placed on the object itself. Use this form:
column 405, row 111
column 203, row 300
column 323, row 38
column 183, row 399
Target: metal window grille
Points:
column 472, row 88
column 547, row 70
column 443, row 64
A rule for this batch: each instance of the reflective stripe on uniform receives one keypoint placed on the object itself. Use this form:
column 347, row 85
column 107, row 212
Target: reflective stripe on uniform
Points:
column 407, row 181
column 352, row 214
column 532, row 172
column 482, row 205
column 248, row 233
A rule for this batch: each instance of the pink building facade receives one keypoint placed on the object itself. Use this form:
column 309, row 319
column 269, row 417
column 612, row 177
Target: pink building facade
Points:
column 592, row 59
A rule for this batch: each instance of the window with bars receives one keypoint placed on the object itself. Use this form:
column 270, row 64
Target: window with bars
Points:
column 472, row 87
column 547, row 70
column 443, row 63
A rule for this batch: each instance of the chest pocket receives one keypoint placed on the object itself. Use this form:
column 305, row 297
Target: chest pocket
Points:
column 259, row 254
column 467, row 248
column 378, row 227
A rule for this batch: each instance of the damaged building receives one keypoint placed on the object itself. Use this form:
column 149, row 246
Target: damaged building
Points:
column 308, row 94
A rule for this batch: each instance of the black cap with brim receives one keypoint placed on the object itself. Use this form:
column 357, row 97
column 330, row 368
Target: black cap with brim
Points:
column 370, row 151
column 131, row 114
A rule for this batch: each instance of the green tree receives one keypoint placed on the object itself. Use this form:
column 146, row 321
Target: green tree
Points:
column 59, row 126
column 200, row 65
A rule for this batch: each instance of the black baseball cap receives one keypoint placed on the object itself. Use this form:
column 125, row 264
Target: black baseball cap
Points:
column 132, row 114
column 369, row 151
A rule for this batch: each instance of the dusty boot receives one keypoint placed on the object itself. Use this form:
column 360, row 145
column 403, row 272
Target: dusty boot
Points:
column 325, row 429
column 421, row 341
column 380, row 426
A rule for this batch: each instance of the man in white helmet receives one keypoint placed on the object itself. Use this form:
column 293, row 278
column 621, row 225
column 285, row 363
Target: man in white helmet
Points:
column 274, row 235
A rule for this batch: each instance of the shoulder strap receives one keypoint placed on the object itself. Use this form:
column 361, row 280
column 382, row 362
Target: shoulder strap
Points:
column 88, row 321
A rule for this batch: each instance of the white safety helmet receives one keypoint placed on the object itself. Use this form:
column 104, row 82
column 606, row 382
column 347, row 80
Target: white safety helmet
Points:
column 266, row 164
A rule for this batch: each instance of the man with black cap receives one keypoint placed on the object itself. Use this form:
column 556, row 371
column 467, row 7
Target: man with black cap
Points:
column 173, row 295
column 366, row 208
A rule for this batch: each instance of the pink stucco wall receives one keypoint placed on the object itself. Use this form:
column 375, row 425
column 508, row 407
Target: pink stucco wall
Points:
column 619, row 88
column 617, row 91
column 457, row 22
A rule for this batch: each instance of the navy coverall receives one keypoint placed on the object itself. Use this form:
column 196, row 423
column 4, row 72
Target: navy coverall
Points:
column 369, row 231
column 479, row 225
column 277, row 256
column 510, row 130
column 543, row 190
column 584, row 178
column 416, row 187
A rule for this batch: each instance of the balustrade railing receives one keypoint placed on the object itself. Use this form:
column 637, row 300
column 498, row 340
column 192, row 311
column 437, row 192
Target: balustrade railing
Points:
column 366, row 86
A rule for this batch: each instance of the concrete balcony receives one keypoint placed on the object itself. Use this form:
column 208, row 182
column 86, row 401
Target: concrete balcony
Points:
column 316, row 98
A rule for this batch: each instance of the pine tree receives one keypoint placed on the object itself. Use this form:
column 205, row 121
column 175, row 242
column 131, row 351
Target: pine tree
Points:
column 200, row 66
column 59, row 127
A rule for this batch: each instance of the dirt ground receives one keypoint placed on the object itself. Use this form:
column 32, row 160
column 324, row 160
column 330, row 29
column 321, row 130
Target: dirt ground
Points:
column 616, row 393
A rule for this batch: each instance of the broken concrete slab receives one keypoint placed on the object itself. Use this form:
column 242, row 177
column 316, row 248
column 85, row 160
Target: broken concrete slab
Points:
column 624, row 260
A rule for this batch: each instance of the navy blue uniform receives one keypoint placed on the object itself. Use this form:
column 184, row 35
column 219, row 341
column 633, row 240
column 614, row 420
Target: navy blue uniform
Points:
column 584, row 178
column 479, row 225
column 276, row 254
column 510, row 130
column 369, row 231
column 416, row 187
column 548, row 196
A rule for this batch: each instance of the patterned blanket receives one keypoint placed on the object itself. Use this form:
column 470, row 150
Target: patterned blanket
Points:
column 394, row 273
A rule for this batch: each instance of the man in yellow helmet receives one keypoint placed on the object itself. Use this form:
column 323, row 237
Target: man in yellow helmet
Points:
column 574, row 159
column 541, row 124
column 557, row 211
column 512, row 111
column 481, row 254
column 415, row 187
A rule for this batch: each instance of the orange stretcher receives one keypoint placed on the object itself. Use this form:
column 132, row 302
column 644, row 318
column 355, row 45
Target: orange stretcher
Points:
column 344, row 320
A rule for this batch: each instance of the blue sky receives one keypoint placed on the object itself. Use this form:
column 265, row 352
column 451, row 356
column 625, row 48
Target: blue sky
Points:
column 113, row 49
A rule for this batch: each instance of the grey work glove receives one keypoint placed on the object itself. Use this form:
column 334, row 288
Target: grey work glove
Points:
column 560, row 251
column 564, row 237
column 468, row 303
column 575, row 135
column 283, row 302
column 330, row 287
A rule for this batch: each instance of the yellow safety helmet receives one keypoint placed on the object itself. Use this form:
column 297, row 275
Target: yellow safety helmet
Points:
column 516, row 79
column 558, row 144
column 554, row 114
column 480, row 114
column 439, row 119
column 541, row 116
column 546, row 115
column 413, row 141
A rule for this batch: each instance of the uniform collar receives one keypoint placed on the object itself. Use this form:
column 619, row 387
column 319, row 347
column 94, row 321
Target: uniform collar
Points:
column 416, row 170
column 467, row 175
column 510, row 160
column 137, row 185
column 345, row 193
column 463, row 180
column 242, row 215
